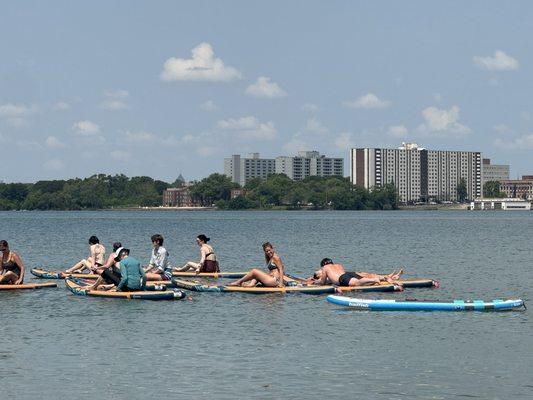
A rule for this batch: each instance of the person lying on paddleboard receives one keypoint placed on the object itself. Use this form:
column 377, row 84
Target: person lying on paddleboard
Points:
column 208, row 259
column 132, row 275
column 335, row 274
column 95, row 259
column 12, row 268
column 158, row 268
column 110, row 271
column 274, row 278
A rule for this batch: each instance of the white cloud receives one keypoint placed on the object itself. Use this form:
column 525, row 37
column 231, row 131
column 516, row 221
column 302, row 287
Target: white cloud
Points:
column 208, row 105
column 310, row 107
column 113, row 105
column 502, row 128
column 296, row 144
column 202, row 66
column 266, row 89
column 207, row 150
column 120, row 155
column 249, row 127
column 86, row 128
column 344, row 141
column 498, row 62
column 368, row 101
column 54, row 143
column 442, row 121
column 10, row 110
column 398, row 131
column 115, row 100
column 117, row 94
column 315, row 126
column 54, row 164
column 524, row 142
column 139, row 137
column 61, row 106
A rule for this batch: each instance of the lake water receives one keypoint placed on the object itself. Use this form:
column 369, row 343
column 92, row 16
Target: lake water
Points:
column 56, row 345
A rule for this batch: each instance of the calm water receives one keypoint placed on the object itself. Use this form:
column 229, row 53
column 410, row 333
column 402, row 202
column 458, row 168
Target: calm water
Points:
column 56, row 345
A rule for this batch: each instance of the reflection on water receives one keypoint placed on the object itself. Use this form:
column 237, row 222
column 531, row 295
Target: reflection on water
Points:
column 56, row 345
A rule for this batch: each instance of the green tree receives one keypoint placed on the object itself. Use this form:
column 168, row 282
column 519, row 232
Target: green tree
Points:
column 462, row 191
column 214, row 187
column 491, row 189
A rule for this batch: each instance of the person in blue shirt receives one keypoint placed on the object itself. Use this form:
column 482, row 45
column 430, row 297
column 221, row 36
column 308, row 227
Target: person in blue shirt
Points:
column 132, row 275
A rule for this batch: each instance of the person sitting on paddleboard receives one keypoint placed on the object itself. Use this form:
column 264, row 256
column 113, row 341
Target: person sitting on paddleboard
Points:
column 158, row 268
column 95, row 259
column 335, row 274
column 132, row 276
column 12, row 267
column 276, row 269
column 110, row 271
column 208, row 259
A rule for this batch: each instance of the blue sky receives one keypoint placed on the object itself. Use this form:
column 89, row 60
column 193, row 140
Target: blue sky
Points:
column 162, row 88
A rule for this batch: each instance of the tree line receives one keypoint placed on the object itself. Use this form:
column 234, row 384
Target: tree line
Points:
column 279, row 191
column 118, row 191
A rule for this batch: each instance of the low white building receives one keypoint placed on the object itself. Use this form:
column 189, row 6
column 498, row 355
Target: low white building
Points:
column 500, row 204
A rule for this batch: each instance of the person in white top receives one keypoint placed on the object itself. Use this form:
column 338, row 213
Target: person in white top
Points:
column 95, row 260
column 158, row 268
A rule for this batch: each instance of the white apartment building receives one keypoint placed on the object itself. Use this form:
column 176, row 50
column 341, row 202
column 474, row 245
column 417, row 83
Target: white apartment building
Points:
column 309, row 163
column 417, row 173
column 493, row 172
column 240, row 169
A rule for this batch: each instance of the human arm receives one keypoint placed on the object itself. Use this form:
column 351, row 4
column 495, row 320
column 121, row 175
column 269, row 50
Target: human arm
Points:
column 19, row 262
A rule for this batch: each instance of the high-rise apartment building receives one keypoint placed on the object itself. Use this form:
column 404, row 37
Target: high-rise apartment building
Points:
column 418, row 174
column 241, row 169
column 309, row 163
column 493, row 172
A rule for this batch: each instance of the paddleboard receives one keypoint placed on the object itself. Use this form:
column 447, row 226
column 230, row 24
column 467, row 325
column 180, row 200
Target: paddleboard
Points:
column 421, row 305
column 77, row 288
column 192, row 274
column 299, row 288
column 28, row 286
column 46, row 274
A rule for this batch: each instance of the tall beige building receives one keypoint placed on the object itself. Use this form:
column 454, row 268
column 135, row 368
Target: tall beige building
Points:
column 417, row 173
column 309, row 163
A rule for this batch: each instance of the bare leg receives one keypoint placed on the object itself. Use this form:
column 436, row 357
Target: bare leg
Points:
column 190, row 266
column 258, row 275
column 80, row 266
column 364, row 281
column 150, row 276
column 9, row 278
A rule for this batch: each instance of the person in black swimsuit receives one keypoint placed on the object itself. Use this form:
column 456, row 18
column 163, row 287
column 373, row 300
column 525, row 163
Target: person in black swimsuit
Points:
column 276, row 269
column 12, row 267
column 335, row 274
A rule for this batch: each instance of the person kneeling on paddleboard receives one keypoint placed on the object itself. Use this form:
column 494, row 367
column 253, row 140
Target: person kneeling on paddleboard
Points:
column 335, row 274
column 132, row 276
column 12, row 268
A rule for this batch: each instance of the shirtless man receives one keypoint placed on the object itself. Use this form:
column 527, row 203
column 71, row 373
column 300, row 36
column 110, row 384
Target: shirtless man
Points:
column 336, row 275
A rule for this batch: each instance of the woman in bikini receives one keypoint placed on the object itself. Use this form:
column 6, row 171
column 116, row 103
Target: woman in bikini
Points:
column 208, row 259
column 12, row 267
column 276, row 271
column 95, row 260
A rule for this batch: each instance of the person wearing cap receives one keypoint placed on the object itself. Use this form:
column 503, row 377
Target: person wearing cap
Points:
column 109, row 272
column 331, row 273
column 208, row 259
column 158, row 268
column 132, row 276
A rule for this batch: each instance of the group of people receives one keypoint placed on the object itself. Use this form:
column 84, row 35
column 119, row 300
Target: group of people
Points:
column 121, row 271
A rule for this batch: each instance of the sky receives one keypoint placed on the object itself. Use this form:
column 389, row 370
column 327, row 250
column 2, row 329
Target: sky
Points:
column 164, row 88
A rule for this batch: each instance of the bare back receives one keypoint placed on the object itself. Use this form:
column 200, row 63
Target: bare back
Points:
column 332, row 273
